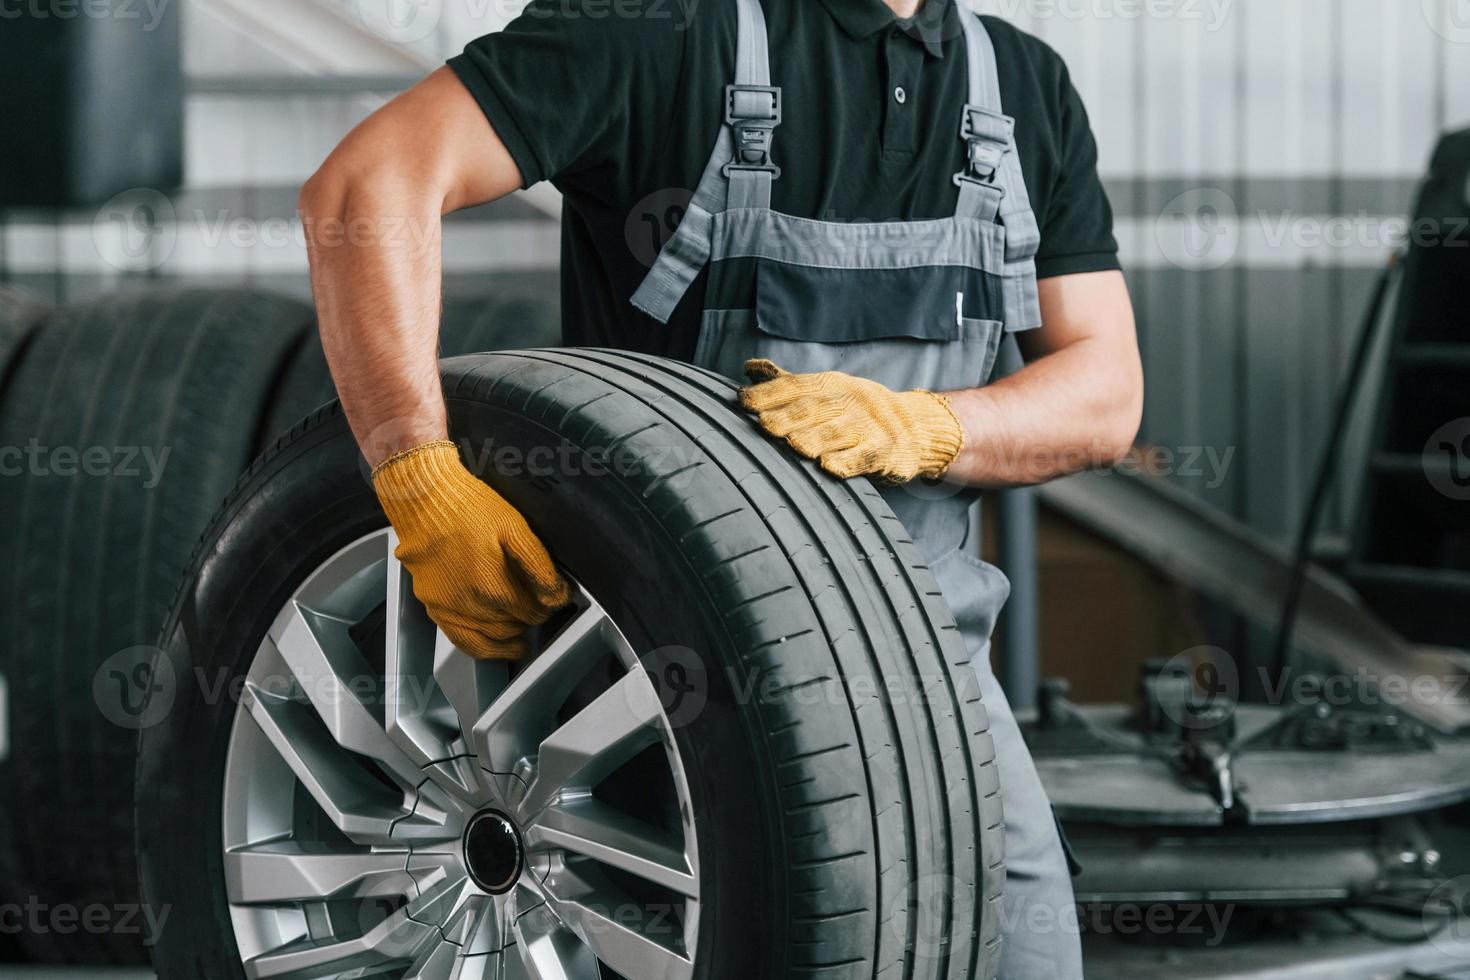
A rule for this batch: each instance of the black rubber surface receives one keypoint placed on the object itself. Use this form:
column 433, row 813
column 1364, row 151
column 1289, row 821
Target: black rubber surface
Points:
column 19, row 317
column 843, row 778
column 136, row 415
column 503, row 320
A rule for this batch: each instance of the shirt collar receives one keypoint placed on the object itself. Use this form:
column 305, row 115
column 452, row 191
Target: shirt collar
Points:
column 861, row 19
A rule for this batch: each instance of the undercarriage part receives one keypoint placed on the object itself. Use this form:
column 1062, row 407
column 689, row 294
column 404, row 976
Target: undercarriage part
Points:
column 1201, row 811
column 1188, row 756
column 1257, row 865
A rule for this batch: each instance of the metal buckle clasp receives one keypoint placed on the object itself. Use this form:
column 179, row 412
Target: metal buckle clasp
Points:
column 989, row 136
column 754, row 132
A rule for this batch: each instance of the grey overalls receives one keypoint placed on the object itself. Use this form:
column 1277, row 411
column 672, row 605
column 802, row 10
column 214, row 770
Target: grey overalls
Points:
column 920, row 304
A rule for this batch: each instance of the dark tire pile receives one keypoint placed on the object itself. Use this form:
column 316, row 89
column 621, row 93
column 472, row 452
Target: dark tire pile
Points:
column 124, row 422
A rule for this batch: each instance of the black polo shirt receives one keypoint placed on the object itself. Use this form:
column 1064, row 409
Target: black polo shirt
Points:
column 619, row 103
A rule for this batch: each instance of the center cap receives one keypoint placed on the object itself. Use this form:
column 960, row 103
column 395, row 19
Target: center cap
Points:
column 493, row 852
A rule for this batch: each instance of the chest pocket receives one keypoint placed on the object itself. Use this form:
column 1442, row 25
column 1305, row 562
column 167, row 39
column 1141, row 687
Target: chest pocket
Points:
column 904, row 328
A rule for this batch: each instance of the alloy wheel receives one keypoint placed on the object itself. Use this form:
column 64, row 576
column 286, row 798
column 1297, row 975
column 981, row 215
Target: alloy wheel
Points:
column 393, row 807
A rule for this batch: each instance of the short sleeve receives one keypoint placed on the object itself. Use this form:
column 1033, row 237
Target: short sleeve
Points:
column 564, row 83
column 1077, row 228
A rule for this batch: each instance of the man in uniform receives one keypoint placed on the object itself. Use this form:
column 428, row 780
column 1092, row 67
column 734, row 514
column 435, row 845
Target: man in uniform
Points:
column 874, row 192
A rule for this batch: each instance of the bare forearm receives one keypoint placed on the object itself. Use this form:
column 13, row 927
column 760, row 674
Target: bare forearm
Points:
column 376, row 275
column 1077, row 403
column 373, row 215
column 1074, row 409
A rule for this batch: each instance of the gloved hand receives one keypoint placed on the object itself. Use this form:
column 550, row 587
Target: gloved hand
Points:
column 854, row 426
column 477, row 567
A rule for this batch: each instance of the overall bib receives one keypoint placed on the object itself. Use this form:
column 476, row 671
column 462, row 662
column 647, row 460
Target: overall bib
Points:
column 909, row 304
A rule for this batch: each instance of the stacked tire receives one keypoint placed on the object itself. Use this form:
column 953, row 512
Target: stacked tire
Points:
column 19, row 316
column 127, row 419
column 124, row 422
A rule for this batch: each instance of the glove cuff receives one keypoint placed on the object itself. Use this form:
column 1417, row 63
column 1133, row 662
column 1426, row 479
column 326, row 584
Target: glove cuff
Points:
column 940, row 435
column 415, row 485
column 426, row 449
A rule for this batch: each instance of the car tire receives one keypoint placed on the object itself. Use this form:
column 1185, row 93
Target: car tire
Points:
column 19, row 316
column 103, row 522
column 843, row 807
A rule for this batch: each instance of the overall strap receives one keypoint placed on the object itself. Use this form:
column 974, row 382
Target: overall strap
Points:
column 992, row 185
column 752, row 113
column 988, row 133
column 739, row 172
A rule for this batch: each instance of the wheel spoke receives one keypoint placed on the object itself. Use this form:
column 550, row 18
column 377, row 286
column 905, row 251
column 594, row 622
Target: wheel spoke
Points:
column 617, row 840
column 419, row 717
column 546, row 951
column 446, row 961
column 647, row 952
column 439, row 962
column 331, row 672
column 476, row 928
column 396, row 938
column 287, row 871
column 522, row 715
column 470, row 685
column 615, row 727
column 357, row 804
column 478, row 966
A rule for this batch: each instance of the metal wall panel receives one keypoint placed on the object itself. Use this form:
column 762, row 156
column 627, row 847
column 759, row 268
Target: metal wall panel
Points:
column 1288, row 133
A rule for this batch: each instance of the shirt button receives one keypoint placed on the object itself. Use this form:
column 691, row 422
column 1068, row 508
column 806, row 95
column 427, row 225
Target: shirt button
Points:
column 900, row 96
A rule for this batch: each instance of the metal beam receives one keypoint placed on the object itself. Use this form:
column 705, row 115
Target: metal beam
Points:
column 321, row 37
column 276, row 86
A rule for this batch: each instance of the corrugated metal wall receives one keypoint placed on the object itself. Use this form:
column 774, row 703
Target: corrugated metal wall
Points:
column 1258, row 153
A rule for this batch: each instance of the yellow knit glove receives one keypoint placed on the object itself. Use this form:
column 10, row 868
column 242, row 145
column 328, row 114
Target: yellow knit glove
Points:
column 854, row 426
column 477, row 567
